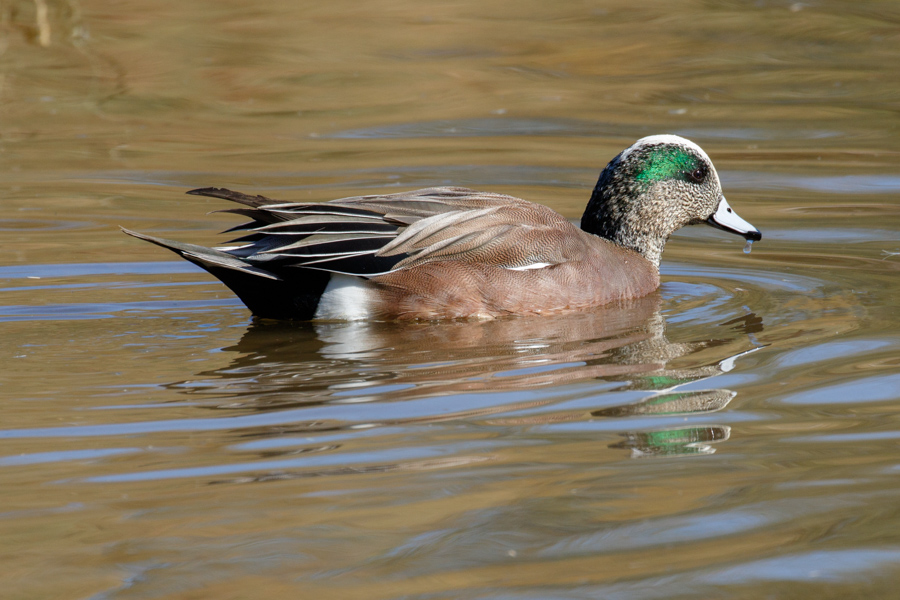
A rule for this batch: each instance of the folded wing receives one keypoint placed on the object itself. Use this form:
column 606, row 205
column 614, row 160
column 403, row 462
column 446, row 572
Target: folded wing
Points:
column 371, row 235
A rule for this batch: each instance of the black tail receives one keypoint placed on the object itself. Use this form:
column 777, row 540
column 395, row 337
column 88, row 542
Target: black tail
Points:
column 266, row 293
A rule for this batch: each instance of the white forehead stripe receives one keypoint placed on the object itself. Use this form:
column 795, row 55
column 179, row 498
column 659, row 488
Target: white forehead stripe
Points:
column 666, row 138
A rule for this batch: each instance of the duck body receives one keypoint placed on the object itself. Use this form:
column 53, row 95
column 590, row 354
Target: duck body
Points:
column 452, row 252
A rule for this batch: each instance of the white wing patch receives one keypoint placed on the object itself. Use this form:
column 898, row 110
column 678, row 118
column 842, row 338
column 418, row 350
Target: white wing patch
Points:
column 529, row 267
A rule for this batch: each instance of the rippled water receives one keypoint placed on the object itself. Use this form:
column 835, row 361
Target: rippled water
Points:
column 734, row 435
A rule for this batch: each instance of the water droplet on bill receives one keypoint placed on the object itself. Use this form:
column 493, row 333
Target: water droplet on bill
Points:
column 747, row 248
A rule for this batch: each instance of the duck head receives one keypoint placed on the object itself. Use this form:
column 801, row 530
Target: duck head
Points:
column 655, row 187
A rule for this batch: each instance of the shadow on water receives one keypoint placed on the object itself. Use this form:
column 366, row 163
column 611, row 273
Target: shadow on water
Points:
column 612, row 362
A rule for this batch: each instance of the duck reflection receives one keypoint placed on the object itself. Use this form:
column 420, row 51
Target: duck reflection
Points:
column 511, row 372
column 669, row 442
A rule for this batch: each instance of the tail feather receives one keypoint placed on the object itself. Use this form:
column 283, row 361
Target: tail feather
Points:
column 265, row 293
column 203, row 256
column 245, row 199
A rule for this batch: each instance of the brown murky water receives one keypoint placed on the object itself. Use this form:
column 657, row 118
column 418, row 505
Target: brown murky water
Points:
column 736, row 435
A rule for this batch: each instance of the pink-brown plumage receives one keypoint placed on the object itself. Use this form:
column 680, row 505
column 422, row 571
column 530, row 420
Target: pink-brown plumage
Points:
column 451, row 252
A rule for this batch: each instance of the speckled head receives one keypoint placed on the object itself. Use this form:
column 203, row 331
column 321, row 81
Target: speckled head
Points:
column 653, row 188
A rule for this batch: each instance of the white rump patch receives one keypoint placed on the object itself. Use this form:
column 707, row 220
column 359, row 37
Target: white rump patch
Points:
column 346, row 298
column 529, row 267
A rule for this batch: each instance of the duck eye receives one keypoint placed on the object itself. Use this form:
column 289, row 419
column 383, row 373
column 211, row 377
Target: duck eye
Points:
column 697, row 175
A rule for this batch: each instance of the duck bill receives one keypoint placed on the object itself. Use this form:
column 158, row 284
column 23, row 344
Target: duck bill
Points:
column 727, row 220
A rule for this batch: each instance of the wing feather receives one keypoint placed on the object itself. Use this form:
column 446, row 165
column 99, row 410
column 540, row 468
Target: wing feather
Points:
column 369, row 235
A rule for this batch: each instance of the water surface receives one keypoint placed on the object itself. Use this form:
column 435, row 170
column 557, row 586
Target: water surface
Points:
column 732, row 436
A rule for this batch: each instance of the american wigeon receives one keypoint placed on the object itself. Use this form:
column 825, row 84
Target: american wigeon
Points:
column 452, row 252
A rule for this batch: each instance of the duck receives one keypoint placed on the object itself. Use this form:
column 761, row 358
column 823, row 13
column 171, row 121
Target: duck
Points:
column 454, row 252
